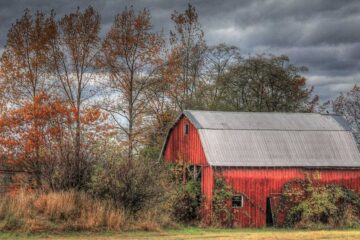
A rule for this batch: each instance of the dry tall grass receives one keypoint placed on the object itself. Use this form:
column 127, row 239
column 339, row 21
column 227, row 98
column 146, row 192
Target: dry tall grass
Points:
column 59, row 211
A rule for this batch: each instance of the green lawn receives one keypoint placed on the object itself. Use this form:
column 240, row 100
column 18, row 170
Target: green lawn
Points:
column 198, row 233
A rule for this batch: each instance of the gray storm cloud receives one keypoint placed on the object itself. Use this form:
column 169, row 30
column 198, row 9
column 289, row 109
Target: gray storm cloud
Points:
column 322, row 35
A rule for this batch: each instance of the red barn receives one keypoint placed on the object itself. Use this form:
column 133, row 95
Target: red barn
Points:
column 257, row 153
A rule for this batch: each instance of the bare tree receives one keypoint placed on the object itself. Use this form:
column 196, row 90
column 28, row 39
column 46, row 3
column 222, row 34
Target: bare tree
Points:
column 348, row 105
column 75, row 51
column 186, row 57
column 217, row 63
column 131, row 57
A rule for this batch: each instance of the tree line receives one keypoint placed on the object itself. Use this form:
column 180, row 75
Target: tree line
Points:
column 89, row 112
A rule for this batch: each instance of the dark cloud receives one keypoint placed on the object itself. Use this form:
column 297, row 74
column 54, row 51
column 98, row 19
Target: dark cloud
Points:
column 320, row 34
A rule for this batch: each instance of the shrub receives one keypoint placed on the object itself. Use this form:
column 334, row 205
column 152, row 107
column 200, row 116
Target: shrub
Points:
column 132, row 186
column 308, row 204
column 142, row 188
column 187, row 201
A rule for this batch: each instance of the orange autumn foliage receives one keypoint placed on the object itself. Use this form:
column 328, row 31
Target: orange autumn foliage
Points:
column 33, row 124
column 26, row 130
column 36, row 137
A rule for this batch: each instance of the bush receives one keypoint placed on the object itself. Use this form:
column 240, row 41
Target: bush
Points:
column 132, row 186
column 308, row 204
column 142, row 188
column 187, row 202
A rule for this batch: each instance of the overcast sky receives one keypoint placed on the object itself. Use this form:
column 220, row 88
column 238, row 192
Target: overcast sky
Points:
column 323, row 35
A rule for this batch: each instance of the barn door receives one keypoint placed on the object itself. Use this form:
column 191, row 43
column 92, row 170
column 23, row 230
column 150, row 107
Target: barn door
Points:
column 269, row 213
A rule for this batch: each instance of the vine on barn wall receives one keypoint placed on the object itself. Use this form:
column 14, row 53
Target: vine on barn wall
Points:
column 306, row 203
column 187, row 192
column 222, row 214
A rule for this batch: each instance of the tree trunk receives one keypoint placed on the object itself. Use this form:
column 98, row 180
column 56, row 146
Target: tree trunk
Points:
column 78, row 159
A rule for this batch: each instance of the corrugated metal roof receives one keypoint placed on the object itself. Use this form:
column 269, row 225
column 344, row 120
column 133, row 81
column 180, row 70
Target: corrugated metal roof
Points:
column 264, row 121
column 275, row 139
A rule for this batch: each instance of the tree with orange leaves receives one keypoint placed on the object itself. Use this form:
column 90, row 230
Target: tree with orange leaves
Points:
column 32, row 136
column 56, row 58
column 24, row 62
column 25, row 75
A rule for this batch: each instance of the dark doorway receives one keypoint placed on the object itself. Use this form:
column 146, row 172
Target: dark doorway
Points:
column 269, row 214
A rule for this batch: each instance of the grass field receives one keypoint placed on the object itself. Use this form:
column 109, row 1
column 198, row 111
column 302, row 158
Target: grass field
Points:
column 198, row 233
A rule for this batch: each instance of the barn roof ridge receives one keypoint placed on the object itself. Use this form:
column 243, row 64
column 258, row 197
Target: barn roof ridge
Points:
column 279, row 121
column 274, row 129
column 260, row 112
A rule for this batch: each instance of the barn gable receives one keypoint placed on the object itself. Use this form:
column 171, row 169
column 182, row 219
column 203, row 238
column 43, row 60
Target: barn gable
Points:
column 244, row 139
column 180, row 147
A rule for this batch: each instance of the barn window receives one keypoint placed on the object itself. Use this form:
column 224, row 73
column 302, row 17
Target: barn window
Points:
column 237, row 201
column 186, row 129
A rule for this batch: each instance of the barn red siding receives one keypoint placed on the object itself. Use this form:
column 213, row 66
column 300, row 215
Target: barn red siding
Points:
column 258, row 184
column 255, row 183
column 189, row 149
column 207, row 186
column 181, row 147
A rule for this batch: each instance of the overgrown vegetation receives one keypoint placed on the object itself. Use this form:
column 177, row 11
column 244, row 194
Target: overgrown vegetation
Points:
column 222, row 214
column 143, row 184
column 60, row 211
column 186, row 208
column 309, row 204
column 27, row 211
column 189, row 201
column 83, row 118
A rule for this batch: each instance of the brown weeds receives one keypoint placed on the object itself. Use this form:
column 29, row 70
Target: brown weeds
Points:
column 70, row 210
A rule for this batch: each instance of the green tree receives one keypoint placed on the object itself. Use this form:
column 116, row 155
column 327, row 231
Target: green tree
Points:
column 265, row 84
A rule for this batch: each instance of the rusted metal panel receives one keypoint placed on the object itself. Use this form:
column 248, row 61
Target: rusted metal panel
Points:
column 256, row 184
column 181, row 147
